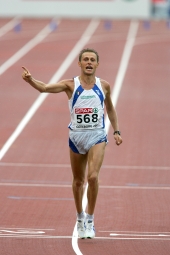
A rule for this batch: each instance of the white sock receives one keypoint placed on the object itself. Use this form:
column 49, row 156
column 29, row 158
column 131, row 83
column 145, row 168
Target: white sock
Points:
column 89, row 217
column 81, row 215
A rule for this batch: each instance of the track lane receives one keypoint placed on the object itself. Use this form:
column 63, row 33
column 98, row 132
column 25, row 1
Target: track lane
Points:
column 6, row 25
column 10, row 86
column 143, row 114
column 69, row 46
column 28, row 29
column 143, row 104
column 124, row 210
column 63, row 122
column 4, row 21
column 27, row 96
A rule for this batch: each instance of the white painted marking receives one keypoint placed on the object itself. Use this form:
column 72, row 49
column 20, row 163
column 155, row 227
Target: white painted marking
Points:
column 34, row 165
column 75, row 234
column 123, row 65
column 135, row 238
column 39, row 198
column 136, row 235
column 96, row 238
column 42, row 234
column 36, row 236
column 26, row 48
column 23, row 232
column 131, row 232
column 19, row 54
column 68, row 166
column 137, row 187
column 30, row 229
column 10, row 25
column 64, row 66
column 138, row 167
column 45, row 185
column 22, row 124
column 35, row 185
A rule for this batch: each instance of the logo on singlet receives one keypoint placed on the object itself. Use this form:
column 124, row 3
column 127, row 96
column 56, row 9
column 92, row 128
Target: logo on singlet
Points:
column 88, row 97
column 84, row 110
column 95, row 110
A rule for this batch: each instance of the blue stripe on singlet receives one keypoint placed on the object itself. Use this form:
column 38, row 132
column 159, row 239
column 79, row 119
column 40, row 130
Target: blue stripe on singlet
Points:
column 99, row 93
column 77, row 93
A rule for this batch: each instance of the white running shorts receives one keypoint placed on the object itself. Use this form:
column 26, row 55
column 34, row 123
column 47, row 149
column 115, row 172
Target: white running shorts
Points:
column 81, row 141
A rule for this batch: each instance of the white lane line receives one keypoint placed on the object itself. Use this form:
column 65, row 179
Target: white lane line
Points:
column 41, row 198
column 42, row 233
column 12, row 164
column 11, row 232
column 140, row 235
column 27, row 229
column 35, row 185
column 137, row 187
column 67, row 62
column 138, row 167
column 135, row 238
column 34, row 165
column 26, row 48
column 132, row 232
column 123, row 65
column 46, row 185
column 75, row 234
column 96, row 238
column 8, row 26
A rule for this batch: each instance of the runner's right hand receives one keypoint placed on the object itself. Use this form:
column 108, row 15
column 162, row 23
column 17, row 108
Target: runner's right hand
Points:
column 26, row 74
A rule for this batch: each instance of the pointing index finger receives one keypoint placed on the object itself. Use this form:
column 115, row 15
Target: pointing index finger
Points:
column 25, row 69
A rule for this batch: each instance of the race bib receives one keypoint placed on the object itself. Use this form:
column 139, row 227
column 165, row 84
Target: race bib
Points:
column 86, row 117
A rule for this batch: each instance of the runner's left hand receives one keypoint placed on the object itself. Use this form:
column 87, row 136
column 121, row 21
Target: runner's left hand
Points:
column 118, row 139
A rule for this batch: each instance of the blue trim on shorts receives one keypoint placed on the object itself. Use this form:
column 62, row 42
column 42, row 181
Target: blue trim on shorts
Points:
column 102, row 140
column 73, row 147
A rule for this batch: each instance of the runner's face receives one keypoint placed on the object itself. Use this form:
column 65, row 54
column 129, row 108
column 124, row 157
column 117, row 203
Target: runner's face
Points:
column 88, row 63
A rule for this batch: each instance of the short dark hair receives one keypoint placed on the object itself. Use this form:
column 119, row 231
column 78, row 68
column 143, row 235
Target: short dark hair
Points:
column 88, row 50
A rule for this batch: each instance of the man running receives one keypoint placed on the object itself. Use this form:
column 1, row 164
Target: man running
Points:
column 87, row 96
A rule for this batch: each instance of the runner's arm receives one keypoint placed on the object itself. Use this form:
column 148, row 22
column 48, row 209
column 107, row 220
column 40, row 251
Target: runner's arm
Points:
column 112, row 115
column 41, row 86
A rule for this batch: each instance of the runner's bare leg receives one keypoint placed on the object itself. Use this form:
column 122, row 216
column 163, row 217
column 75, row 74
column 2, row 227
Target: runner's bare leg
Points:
column 95, row 159
column 78, row 164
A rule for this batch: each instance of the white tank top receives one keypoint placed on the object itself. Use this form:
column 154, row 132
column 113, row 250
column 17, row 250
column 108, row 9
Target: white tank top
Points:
column 87, row 107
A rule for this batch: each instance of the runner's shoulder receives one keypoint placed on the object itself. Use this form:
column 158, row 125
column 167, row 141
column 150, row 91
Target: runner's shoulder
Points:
column 69, row 83
column 105, row 86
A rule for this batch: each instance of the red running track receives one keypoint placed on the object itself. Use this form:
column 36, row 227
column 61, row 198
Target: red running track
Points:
column 37, row 208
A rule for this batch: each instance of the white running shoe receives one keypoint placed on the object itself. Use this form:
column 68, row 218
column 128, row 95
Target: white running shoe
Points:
column 81, row 228
column 90, row 229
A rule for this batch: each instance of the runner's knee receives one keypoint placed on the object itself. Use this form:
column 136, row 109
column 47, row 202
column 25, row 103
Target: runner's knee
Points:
column 78, row 183
column 92, row 179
